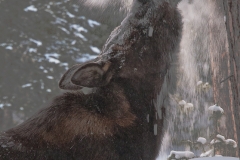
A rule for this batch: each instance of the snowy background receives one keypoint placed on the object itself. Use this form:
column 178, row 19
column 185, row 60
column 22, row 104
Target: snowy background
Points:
column 39, row 41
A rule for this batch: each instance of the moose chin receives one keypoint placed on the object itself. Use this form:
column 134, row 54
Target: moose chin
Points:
column 117, row 120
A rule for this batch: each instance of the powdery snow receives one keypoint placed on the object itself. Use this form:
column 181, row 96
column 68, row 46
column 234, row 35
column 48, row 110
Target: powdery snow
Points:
column 31, row 8
column 201, row 140
column 39, row 43
column 207, row 153
column 182, row 103
column 188, row 106
column 232, row 142
column 93, row 23
column 216, row 158
column 181, row 154
column 221, row 137
column 26, row 85
column 206, row 85
column 199, row 83
column 95, row 49
column 216, row 108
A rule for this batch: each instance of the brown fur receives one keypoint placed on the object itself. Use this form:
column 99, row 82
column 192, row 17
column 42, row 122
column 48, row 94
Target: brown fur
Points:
column 111, row 123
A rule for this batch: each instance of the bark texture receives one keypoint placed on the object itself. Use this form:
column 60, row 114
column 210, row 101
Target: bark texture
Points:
column 232, row 12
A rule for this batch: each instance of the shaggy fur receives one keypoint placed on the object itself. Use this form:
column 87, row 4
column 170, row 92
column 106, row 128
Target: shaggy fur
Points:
column 117, row 120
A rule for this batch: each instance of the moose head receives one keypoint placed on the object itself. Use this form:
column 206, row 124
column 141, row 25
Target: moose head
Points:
column 138, row 50
column 118, row 120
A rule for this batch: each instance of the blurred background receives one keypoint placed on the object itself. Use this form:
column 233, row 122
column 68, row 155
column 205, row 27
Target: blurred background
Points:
column 39, row 41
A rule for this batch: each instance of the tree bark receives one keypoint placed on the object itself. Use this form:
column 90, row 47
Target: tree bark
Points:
column 232, row 12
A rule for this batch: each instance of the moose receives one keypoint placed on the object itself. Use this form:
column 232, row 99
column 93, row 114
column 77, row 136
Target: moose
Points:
column 117, row 120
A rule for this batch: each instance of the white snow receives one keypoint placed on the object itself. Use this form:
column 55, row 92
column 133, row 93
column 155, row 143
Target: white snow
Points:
column 52, row 57
column 53, row 60
column 86, row 57
column 206, row 85
column 9, row 47
column 218, row 155
column 26, row 85
column 64, row 64
column 56, row 55
column 182, row 103
column 188, row 106
column 8, row 104
column 215, row 141
column 199, row 83
column 207, row 153
column 41, row 67
column 60, row 21
column 221, row 137
column 70, row 15
column 201, row 140
column 64, row 30
column 39, row 43
column 5, row 104
column 80, row 36
column 78, row 28
column 3, row 44
column 31, row 8
column 231, row 141
column 73, row 42
column 93, row 23
column 216, row 158
column 95, row 49
column 215, row 108
column 50, row 77
column 31, row 50
column 181, row 154
column 82, row 17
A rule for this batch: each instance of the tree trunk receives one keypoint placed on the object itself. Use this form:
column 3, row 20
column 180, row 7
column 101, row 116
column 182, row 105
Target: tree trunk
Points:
column 223, row 69
column 232, row 11
column 219, row 62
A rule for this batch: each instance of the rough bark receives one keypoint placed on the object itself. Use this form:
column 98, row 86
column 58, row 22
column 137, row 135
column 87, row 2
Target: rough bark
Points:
column 232, row 11
column 220, row 61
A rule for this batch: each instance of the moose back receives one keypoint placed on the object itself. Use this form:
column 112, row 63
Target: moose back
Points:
column 117, row 120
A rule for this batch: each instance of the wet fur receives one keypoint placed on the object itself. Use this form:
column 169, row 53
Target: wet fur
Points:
column 107, row 123
column 111, row 123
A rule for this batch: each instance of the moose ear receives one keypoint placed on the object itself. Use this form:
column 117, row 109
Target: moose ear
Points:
column 66, row 83
column 92, row 75
column 88, row 75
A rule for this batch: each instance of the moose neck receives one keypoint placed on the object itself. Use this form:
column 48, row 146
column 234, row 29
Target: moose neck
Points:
column 147, row 88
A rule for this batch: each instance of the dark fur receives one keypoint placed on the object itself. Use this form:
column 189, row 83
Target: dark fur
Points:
column 110, row 123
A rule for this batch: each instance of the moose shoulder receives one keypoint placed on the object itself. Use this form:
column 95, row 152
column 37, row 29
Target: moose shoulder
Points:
column 117, row 121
